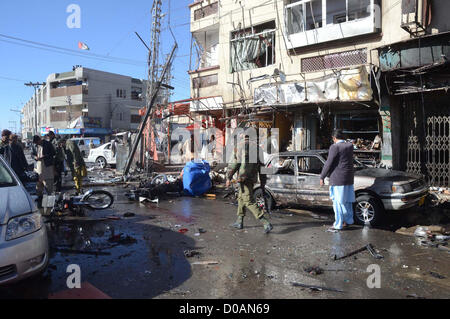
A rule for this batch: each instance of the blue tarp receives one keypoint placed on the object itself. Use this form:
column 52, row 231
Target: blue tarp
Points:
column 196, row 180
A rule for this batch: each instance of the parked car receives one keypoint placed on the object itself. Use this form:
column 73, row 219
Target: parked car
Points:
column 24, row 248
column 294, row 178
column 84, row 144
column 102, row 156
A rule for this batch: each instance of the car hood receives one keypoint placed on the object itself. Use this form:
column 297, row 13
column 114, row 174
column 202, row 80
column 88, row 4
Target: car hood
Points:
column 381, row 174
column 14, row 201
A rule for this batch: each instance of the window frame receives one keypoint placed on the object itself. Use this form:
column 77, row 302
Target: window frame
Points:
column 324, row 23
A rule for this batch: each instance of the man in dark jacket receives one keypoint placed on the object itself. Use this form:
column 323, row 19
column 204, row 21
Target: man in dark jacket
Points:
column 18, row 162
column 59, row 160
column 339, row 168
column 5, row 151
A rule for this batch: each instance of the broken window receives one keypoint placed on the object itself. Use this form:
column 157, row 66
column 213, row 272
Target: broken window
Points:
column 309, row 165
column 304, row 16
column 205, row 81
column 358, row 9
column 340, row 11
column 253, row 47
column 283, row 165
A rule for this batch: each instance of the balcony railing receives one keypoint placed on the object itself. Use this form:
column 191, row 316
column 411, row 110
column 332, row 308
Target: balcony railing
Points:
column 68, row 91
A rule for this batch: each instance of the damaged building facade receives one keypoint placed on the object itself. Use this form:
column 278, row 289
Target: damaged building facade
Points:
column 307, row 67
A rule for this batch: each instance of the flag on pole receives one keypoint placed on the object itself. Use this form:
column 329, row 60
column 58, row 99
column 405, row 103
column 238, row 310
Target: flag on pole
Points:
column 83, row 46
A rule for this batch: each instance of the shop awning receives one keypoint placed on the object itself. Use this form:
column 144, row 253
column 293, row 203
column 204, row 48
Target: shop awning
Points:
column 347, row 85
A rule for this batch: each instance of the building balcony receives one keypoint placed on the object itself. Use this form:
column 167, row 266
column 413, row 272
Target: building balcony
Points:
column 311, row 22
column 68, row 91
column 204, row 15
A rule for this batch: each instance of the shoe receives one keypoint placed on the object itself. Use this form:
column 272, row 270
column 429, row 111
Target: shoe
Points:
column 239, row 224
column 268, row 228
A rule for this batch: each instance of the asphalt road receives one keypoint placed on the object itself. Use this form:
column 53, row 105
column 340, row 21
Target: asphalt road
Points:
column 151, row 262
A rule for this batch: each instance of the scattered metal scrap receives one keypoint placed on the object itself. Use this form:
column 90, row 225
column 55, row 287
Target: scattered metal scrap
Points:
column 315, row 288
column 368, row 247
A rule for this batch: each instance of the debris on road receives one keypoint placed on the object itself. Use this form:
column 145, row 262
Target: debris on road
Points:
column 315, row 288
column 128, row 215
column 372, row 251
column 423, row 231
column 414, row 296
column 368, row 247
column 436, row 275
column 206, row 263
column 183, row 230
column 191, row 253
column 315, row 270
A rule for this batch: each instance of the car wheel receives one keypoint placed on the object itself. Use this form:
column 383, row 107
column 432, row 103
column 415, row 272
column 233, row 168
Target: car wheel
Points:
column 368, row 210
column 259, row 199
column 101, row 162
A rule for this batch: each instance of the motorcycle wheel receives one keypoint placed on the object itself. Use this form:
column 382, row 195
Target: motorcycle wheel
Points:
column 99, row 200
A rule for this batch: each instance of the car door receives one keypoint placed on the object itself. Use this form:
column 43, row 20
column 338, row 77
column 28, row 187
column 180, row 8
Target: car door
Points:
column 309, row 191
column 108, row 153
column 282, row 182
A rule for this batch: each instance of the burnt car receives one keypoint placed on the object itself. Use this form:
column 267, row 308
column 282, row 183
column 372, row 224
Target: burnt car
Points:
column 293, row 178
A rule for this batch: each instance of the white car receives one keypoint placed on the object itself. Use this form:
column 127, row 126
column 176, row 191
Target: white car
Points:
column 24, row 250
column 102, row 156
column 84, row 144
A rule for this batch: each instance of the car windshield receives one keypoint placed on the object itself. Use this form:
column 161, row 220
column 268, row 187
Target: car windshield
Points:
column 6, row 178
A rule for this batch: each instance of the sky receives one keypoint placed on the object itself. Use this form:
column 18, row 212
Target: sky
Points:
column 107, row 27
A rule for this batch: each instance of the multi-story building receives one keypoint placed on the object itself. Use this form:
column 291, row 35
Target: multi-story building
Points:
column 85, row 101
column 309, row 66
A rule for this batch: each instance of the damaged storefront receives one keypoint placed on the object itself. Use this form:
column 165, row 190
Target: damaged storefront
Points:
column 415, row 95
column 308, row 111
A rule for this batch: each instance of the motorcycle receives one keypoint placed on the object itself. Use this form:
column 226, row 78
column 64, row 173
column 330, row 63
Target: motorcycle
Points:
column 92, row 200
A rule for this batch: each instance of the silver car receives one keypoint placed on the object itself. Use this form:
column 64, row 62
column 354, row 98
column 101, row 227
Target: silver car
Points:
column 294, row 178
column 24, row 248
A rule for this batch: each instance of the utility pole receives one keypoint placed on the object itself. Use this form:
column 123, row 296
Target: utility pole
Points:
column 35, row 86
column 150, row 104
column 20, row 118
column 69, row 114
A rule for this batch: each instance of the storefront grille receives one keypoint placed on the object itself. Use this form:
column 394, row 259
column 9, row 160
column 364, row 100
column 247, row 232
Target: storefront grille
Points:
column 335, row 60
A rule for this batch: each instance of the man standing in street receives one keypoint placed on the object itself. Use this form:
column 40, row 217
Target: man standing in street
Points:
column 59, row 160
column 18, row 162
column 248, row 175
column 44, row 168
column 339, row 167
column 76, row 163
column 5, row 151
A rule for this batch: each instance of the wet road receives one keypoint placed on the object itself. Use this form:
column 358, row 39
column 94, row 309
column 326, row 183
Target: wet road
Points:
column 151, row 262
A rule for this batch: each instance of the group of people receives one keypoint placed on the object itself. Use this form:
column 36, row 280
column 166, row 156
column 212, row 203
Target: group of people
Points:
column 52, row 154
column 12, row 151
column 338, row 168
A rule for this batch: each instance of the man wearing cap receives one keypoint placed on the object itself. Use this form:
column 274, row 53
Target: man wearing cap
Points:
column 248, row 175
column 18, row 162
column 5, row 151
column 339, row 168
